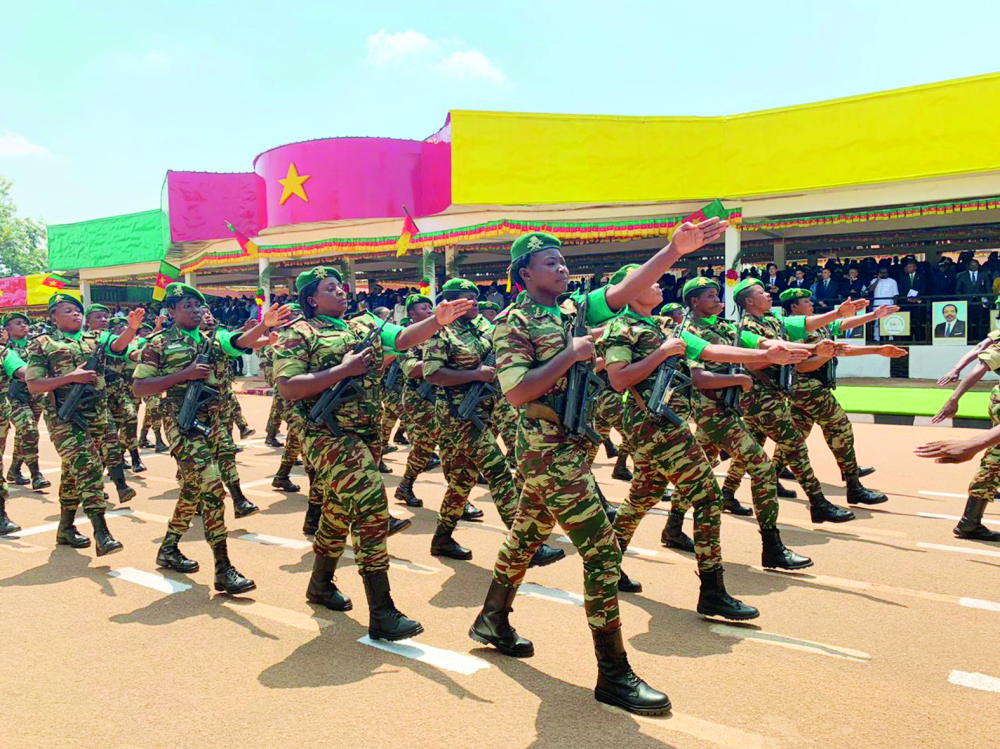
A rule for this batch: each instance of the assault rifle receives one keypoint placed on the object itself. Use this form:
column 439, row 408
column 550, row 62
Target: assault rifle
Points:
column 475, row 394
column 786, row 372
column 18, row 391
column 198, row 393
column 427, row 391
column 393, row 382
column 582, row 385
column 324, row 411
column 668, row 380
column 82, row 393
column 730, row 396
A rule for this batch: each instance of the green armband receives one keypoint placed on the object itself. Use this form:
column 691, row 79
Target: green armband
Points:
column 695, row 345
column 12, row 362
column 835, row 329
column 598, row 311
column 227, row 339
column 388, row 336
column 749, row 340
column 795, row 328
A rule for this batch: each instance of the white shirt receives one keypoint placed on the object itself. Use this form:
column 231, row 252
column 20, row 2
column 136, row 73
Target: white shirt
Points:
column 885, row 289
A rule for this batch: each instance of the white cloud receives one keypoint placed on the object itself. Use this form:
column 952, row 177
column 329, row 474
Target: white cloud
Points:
column 12, row 144
column 451, row 58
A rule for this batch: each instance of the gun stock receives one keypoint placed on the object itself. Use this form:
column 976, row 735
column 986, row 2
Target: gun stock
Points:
column 582, row 385
column 82, row 393
column 668, row 380
column 475, row 394
column 198, row 394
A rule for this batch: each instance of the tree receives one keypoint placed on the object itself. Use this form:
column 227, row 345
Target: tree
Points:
column 23, row 241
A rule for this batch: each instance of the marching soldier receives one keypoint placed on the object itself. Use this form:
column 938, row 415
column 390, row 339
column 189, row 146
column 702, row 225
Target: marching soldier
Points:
column 118, row 376
column 170, row 362
column 12, row 369
column 293, row 446
column 56, row 363
column 26, row 410
column 313, row 355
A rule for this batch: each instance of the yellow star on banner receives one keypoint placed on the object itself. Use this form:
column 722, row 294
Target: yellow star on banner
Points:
column 293, row 183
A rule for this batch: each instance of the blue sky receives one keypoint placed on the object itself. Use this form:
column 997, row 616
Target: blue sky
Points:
column 98, row 100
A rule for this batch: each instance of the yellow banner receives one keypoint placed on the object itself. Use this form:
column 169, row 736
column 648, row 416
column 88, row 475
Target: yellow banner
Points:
column 38, row 294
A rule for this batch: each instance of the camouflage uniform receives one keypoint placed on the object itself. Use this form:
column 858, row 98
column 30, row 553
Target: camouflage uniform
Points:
column 121, row 408
column 987, row 479
column 278, row 405
column 153, row 417
column 465, row 450
column 346, row 466
column 10, row 362
column 558, row 484
column 420, row 416
column 392, row 411
column 608, row 415
column 664, row 453
column 766, row 413
column 205, row 463
column 54, row 355
column 24, row 417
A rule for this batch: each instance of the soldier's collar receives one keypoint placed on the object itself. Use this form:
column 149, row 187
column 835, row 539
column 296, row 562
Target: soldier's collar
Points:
column 194, row 334
column 636, row 316
column 710, row 320
column 333, row 322
column 72, row 336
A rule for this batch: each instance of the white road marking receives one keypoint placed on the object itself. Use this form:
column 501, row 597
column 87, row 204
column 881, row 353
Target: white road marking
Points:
column 978, row 603
column 792, row 643
column 974, row 680
column 45, row 528
column 705, row 730
column 943, row 494
column 444, row 659
column 959, row 549
column 952, row 517
column 12, row 544
column 265, row 540
column 295, row 619
column 150, row 580
column 533, row 590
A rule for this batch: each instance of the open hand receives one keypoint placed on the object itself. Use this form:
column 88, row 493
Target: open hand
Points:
column 948, row 410
column 135, row 318
column 690, row 237
column 947, row 378
column 850, row 307
column 891, row 352
column 826, row 349
column 948, row 451
column 447, row 312
column 884, row 310
column 277, row 316
column 783, row 355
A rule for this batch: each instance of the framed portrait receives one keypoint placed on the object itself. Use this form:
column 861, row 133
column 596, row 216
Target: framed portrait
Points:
column 949, row 323
column 854, row 335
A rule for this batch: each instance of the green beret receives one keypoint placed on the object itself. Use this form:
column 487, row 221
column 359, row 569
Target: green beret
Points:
column 460, row 284
column 417, row 299
column 534, row 242
column 97, row 308
column 794, row 294
column 489, row 305
column 177, row 291
column 672, row 307
column 11, row 316
column 745, row 284
column 60, row 297
column 619, row 275
column 698, row 284
column 314, row 275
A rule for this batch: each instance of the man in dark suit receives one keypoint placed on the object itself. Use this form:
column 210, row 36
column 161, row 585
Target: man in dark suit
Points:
column 952, row 327
column 826, row 293
column 799, row 281
column 773, row 281
column 853, row 287
column 912, row 286
column 976, row 286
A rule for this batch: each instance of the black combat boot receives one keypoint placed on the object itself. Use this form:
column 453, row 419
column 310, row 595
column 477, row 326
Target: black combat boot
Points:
column 865, row 471
column 481, row 480
column 443, row 545
column 386, row 449
column 144, row 442
column 137, row 465
column 617, row 683
column 971, row 525
column 322, row 589
column 313, row 513
column 383, row 468
column 609, row 509
column 227, row 578
column 673, row 536
column 776, row 556
column 492, row 626
column 38, row 481
column 7, row 526
column 386, row 622
column 621, row 471
column 170, row 557
column 404, row 493
column 821, row 510
column 786, row 474
column 609, row 448
column 106, row 543
column 627, row 584
column 784, row 493
column 67, row 534
column 161, row 445
column 471, row 513
column 125, row 492
column 546, row 555
column 271, row 440
column 433, row 462
column 246, row 432
column 731, row 505
column 282, row 479
column 400, row 438
column 714, row 600
column 396, row 525
column 859, row 495
column 241, row 505
column 14, row 475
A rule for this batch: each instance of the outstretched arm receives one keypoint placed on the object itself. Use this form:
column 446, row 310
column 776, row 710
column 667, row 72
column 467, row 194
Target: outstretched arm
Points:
column 950, row 408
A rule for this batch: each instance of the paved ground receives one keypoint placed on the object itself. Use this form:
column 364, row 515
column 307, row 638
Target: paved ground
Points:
column 889, row 641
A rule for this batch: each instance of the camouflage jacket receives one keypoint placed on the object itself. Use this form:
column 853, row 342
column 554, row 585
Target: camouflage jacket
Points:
column 463, row 346
column 319, row 343
column 56, row 354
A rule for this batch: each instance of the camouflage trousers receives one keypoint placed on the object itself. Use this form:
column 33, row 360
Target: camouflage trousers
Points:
column 664, row 454
column 274, row 418
column 5, row 420
column 608, row 416
column 505, row 425
column 812, row 403
column 81, row 481
column 465, row 453
column 112, row 451
column 122, row 409
column 729, row 433
column 392, row 411
column 421, row 431
column 153, row 416
column 987, row 479
column 201, row 477
column 353, row 496
column 767, row 414
column 25, row 418
column 559, row 488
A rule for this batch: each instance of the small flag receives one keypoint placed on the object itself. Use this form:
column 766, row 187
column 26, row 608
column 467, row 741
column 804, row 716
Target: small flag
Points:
column 248, row 246
column 55, row 280
column 712, row 210
column 164, row 277
column 409, row 231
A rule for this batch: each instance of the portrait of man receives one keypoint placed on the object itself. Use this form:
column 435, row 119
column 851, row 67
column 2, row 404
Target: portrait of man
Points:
column 950, row 322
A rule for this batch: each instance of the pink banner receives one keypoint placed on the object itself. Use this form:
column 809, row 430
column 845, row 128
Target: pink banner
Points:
column 200, row 203
column 13, row 292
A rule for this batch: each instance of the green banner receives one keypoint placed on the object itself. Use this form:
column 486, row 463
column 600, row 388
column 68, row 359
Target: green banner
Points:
column 104, row 242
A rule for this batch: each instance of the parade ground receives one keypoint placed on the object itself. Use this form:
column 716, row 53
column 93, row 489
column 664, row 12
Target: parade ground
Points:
column 888, row 641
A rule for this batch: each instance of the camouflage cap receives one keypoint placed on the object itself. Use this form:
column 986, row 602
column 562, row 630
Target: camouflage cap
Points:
column 60, row 297
column 793, row 295
column 695, row 285
column 97, row 308
column 670, row 308
column 489, row 305
column 619, row 275
column 11, row 316
column 460, row 284
column 315, row 275
column 413, row 299
column 177, row 291
column 534, row 242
